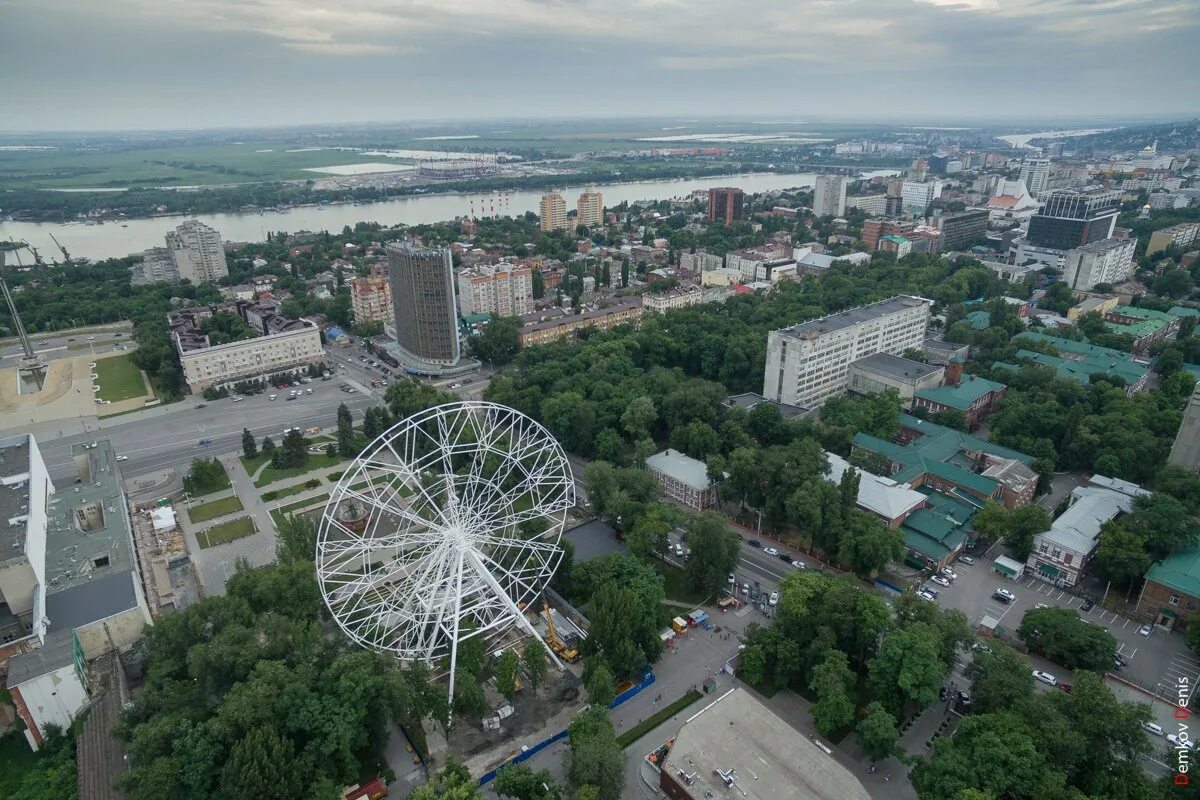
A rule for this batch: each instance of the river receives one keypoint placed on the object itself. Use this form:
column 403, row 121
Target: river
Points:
column 1023, row 139
column 117, row 239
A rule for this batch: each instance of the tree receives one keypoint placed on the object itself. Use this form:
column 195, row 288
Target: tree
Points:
column 331, row 450
column 599, row 682
column 345, row 432
column 498, row 342
column 613, row 636
column 533, row 658
column 455, row 783
column 469, row 699
column 507, row 667
column 375, row 421
column 877, row 733
column 205, row 475
column 249, row 444
column 1025, row 522
column 1121, row 554
column 868, row 545
column 1064, row 637
column 519, row 782
column 639, row 417
column 597, row 759
column 832, row 681
column 268, row 445
column 292, row 452
column 1000, row 679
column 624, row 274
column 608, row 447
column 909, row 667
column 649, row 536
column 714, row 551
column 261, row 764
column 991, row 522
column 296, row 539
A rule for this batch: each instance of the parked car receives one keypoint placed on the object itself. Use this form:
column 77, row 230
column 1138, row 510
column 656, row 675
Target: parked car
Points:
column 1145, row 630
column 1004, row 595
column 949, row 573
column 1065, row 687
column 201, row 405
column 122, row 458
column 1153, row 727
column 784, row 557
column 940, row 581
column 924, row 595
column 1045, row 677
column 966, row 560
column 774, row 600
column 1041, row 605
column 754, row 543
column 771, row 551
column 930, row 591
column 237, row 398
column 798, row 564
column 308, row 391
column 732, row 579
column 272, row 397
column 1087, row 605
column 745, row 588
column 1177, row 742
column 980, row 647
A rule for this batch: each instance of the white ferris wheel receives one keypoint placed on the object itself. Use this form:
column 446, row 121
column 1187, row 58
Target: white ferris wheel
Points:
column 445, row 528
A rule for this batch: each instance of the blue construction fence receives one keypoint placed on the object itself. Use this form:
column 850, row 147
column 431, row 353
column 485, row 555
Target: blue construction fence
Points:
column 891, row 587
column 646, row 682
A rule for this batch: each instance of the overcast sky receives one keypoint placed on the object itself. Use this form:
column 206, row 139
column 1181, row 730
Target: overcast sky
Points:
column 122, row 64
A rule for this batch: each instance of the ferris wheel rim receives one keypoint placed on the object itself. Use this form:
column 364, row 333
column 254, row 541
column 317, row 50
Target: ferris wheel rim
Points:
column 471, row 561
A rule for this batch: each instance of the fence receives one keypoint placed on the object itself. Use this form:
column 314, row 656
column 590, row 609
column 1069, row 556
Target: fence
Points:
column 569, row 611
column 530, row 752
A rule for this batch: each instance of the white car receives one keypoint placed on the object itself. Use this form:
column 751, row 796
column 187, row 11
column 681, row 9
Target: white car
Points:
column 1045, row 677
column 272, row 397
column 237, row 398
column 732, row 579
column 745, row 588
column 949, row 573
column 940, row 581
column 798, row 564
column 1145, row 630
column 1153, row 727
column 924, row 595
column 774, row 598
column 1178, row 742
column 308, row 391
column 122, row 458
column 771, row 551
column 1041, row 605
column 1005, row 595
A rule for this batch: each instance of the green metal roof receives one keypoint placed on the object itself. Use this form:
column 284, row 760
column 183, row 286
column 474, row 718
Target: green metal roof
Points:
column 1144, row 313
column 1081, row 348
column 962, row 396
column 1183, row 311
column 979, row 320
column 1081, row 370
column 1179, row 571
column 931, row 534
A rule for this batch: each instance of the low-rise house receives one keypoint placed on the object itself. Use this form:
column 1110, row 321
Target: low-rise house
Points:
column 971, row 395
column 1170, row 596
column 683, row 478
column 1060, row 554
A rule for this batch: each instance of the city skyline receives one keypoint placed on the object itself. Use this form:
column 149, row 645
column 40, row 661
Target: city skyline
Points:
column 260, row 64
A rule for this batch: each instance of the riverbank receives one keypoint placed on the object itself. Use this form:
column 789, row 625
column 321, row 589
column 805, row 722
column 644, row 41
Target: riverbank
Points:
column 117, row 240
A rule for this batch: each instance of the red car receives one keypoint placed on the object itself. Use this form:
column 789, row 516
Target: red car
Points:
column 1066, row 687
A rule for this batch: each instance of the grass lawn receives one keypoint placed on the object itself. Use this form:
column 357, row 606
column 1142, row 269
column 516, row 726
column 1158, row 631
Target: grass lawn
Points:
column 276, row 494
column 650, row 723
column 217, row 508
column 315, row 462
column 120, row 379
column 221, row 485
column 16, row 761
column 299, row 504
column 251, row 464
column 676, row 586
column 238, row 528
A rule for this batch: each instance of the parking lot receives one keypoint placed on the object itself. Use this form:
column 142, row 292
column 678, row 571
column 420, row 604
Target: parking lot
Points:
column 1157, row 662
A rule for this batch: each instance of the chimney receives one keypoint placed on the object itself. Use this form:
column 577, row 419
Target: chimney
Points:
column 954, row 371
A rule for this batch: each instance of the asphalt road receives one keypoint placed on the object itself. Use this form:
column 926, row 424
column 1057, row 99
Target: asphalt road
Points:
column 55, row 346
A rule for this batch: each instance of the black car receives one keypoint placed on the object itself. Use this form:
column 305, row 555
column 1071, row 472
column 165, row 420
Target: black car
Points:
column 1087, row 605
column 785, row 557
column 754, row 543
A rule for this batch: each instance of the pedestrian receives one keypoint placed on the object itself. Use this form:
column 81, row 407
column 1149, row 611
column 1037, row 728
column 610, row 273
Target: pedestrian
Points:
column 887, row 778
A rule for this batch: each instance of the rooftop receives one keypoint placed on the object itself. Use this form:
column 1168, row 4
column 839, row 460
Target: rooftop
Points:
column 15, row 454
column 1179, row 571
column 968, row 391
column 880, row 495
column 749, row 400
column 1079, row 526
column 58, row 652
column 823, row 261
column 593, row 539
column 623, row 304
column 855, row 316
column 897, row 367
column 689, row 471
column 768, row 758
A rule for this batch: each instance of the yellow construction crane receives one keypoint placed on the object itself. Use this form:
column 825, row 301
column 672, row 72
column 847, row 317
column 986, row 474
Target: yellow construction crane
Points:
column 566, row 653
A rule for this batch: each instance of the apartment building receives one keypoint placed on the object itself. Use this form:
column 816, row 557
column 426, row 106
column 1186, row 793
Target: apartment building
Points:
column 829, row 196
column 552, row 212
column 197, row 252
column 504, row 289
column 1183, row 235
column 700, row 261
column 963, row 229
column 726, row 204
column 756, row 263
column 917, row 195
column 810, row 362
column 1185, row 452
column 539, row 331
column 873, row 205
column 1106, row 261
column 873, row 230
column 1072, row 218
column 425, row 315
column 590, row 208
column 282, row 344
column 371, row 299
column 1035, row 173
column 676, row 297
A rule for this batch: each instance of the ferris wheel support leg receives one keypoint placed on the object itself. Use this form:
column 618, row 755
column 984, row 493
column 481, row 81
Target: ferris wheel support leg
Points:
column 454, row 642
column 516, row 612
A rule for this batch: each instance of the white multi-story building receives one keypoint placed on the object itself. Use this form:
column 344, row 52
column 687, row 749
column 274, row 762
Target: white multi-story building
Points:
column 504, row 289
column 873, row 205
column 700, row 261
column 552, row 212
column 1060, row 554
column 1035, row 173
column 197, row 252
column 678, row 297
column 157, row 266
column 810, row 362
column 1105, row 261
column 829, row 196
column 371, row 299
column 755, row 262
column 590, row 209
column 917, row 195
